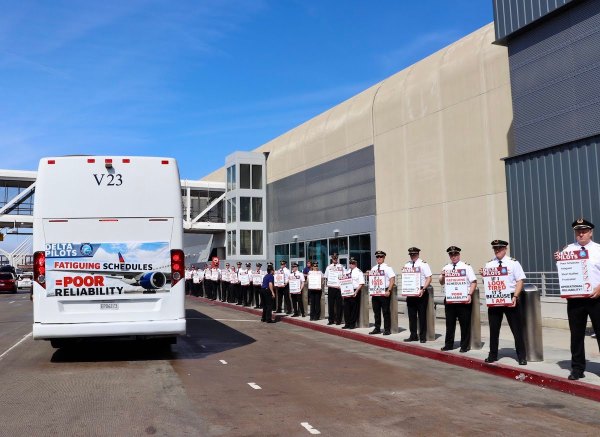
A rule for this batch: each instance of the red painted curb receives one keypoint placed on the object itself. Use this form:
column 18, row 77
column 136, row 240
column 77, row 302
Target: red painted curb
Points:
column 540, row 379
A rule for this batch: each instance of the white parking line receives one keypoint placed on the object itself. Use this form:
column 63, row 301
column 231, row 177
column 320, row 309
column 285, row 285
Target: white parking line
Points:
column 223, row 361
column 15, row 345
column 254, row 386
column 309, row 428
column 12, row 301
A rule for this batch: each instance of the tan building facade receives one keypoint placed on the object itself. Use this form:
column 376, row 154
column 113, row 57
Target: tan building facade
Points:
column 437, row 131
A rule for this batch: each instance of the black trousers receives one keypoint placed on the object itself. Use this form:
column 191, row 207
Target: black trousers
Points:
column 257, row 301
column 208, row 287
column 267, row 299
column 200, row 288
column 283, row 293
column 417, row 315
column 462, row 312
column 513, row 316
column 334, row 305
column 224, row 290
column 578, row 310
column 297, row 304
column 314, row 300
column 381, row 304
column 244, row 293
column 218, row 291
column 351, row 309
column 188, row 286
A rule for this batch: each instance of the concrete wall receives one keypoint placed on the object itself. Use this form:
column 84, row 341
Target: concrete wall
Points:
column 439, row 130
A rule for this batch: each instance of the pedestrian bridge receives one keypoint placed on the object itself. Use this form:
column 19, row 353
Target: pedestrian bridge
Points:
column 202, row 204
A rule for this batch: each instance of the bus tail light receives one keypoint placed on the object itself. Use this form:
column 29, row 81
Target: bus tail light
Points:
column 177, row 266
column 39, row 268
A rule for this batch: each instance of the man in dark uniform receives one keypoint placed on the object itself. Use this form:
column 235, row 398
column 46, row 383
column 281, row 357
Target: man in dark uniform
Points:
column 579, row 308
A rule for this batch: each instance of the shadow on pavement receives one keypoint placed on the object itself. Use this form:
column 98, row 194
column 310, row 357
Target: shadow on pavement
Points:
column 205, row 336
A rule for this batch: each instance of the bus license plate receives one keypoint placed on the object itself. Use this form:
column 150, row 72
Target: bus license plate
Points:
column 109, row 306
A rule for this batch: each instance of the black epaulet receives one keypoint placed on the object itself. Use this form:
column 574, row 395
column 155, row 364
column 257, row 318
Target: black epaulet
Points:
column 423, row 261
column 514, row 259
column 491, row 260
column 564, row 247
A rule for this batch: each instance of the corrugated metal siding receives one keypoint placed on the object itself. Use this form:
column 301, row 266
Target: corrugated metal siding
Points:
column 512, row 15
column 341, row 189
column 547, row 190
column 555, row 80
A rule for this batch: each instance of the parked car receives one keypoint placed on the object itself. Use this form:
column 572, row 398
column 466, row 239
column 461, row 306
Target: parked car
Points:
column 8, row 282
column 25, row 282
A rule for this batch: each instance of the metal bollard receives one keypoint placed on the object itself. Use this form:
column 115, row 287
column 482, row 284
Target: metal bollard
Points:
column 363, row 313
column 430, row 315
column 475, row 342
column 323, row 301
column 394, row 309
column 531, row 315
column 305, row 297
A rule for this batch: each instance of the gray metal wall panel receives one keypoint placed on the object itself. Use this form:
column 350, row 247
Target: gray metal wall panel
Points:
column 547, row 190
column 513, row 15
column 341, row 189
column 555, row 80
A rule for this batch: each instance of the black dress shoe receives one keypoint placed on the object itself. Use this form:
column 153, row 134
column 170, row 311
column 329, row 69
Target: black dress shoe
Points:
column 338, row 323
column 330, row 323
column 295, row 315
column 345, row 327
column 491, row 359
column 375, row 331
column 270, row 321
column 410, row 339
column 351, row 327
column 386, row 332
column 522, row 362
column 423, row 340
column 446, row 348
column 575, row 375
column 463, row 350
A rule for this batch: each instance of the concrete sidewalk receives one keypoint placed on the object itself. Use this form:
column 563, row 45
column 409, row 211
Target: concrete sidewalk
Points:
column 550, row 373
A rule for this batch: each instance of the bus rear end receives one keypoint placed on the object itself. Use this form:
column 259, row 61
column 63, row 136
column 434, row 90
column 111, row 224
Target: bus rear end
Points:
column 108, row 258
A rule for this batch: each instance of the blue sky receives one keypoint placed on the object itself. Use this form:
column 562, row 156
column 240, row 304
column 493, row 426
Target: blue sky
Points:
column 199, row 79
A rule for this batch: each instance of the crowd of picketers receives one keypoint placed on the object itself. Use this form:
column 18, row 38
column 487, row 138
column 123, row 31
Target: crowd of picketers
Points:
column 282, row 288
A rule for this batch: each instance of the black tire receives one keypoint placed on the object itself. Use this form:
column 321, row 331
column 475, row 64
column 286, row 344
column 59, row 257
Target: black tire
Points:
column 59, row 343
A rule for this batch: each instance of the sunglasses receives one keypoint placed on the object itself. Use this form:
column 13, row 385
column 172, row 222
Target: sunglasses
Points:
column 379, row 256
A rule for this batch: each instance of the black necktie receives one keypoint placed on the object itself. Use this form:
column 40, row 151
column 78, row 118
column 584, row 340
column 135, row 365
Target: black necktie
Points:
column 499, row 263
column 453, row 266
column 413, row 264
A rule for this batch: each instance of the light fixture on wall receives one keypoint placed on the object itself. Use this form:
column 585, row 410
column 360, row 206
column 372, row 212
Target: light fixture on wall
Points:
column 295, row 237
column 336, row 232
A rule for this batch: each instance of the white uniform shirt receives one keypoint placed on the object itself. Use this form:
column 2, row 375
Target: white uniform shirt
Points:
column 233, row 277
column 196, row 276
column 188, row 274
column 286, row 274
column 514, row 270
column 594, row 260
column 260, row 272
column 297, row 275
column 425, row 269
column 358, row 278
column 462, row 265
column 338, row 267
column 389, row 272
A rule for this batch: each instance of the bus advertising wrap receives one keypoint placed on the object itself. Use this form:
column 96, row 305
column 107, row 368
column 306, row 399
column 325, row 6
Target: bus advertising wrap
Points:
column 106, row 269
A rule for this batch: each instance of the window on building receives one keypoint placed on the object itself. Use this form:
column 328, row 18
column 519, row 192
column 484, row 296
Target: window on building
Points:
column 297, row 250
column 233, row 210
column 244, row 209
column 257, row 177
column 228, row 178
column 282, row 252
column 338, row 245
column 231, row 182
column 360, row 248
column 245, row 242
column 317, row 251
column 257, row 242
column 233, row 242
column 257, row 210
column 244, row 176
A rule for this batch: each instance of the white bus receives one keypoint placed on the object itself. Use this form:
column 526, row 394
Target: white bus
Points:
column 107, row 241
